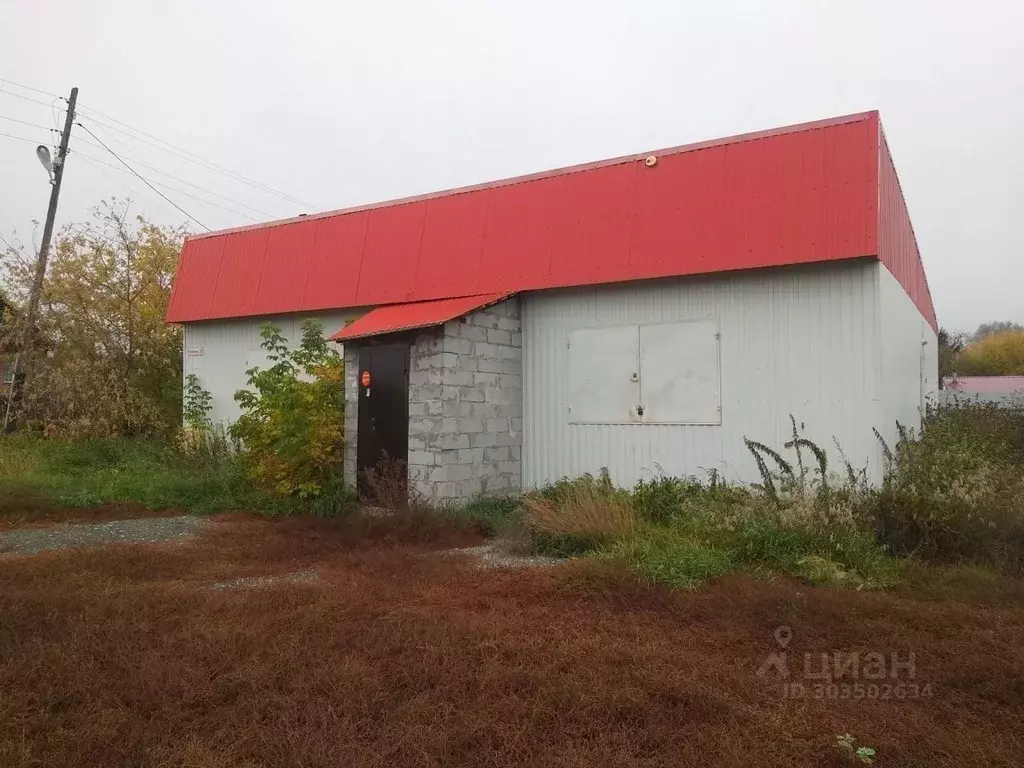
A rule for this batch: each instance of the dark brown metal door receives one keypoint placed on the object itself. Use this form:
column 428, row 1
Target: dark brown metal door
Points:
column 383, row 429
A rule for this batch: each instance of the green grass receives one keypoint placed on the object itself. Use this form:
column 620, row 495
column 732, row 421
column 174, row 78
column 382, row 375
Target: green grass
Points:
column 488, row 515
column 690, row 533
column 101, row 471
column 671, row 556
column 686, row 556
column 841, row 556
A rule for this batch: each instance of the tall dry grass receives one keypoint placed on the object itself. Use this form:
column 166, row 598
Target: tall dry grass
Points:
column 587, row 509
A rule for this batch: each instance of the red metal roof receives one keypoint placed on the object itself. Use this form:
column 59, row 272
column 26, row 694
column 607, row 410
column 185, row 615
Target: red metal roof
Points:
column 897, row 245
column 805, row 193
column 417, row 314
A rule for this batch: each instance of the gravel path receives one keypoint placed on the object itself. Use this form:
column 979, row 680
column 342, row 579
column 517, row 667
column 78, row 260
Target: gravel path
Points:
column 31, row 541
column 296, row 577
column 497, row 555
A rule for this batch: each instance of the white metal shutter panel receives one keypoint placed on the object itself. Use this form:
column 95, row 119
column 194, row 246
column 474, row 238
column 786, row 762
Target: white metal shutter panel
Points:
column 604, row 385
column 679, row 370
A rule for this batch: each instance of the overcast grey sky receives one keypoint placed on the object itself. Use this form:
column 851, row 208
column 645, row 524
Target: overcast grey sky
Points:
column 339, row 103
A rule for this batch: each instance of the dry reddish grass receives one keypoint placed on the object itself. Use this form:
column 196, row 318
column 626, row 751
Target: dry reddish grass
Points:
column 400, row 657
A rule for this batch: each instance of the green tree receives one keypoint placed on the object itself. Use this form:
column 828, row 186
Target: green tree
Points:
column 107, row 363
column 951, row 344
column 1001, row 354
column 292, row 423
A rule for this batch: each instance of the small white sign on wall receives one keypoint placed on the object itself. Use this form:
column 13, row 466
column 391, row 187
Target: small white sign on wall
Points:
column 194, row 352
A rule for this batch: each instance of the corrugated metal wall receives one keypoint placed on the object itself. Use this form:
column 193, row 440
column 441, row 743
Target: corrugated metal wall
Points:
column 230, row 347
column 801, row 340
column 910, row 368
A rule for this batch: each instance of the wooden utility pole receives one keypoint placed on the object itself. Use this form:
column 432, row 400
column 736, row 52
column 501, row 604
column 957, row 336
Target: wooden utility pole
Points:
column 23, row 350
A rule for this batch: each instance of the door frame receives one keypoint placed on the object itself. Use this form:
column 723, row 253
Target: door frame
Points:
column 364, row 445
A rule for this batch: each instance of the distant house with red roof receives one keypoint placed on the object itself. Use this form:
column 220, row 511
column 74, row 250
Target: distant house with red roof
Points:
column 998, row 389
column 643, row 314
column 984, row 385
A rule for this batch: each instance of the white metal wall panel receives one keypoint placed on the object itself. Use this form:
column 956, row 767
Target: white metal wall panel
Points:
column 679, row 373
column 909, row 362
column 604, row 383
column 800, row 340
column 219, row 352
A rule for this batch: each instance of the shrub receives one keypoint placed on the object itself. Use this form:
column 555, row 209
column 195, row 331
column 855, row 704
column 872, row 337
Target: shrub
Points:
column 662, row 499
column 387, row 483
column 196, row 404
column 682, row 532
column 199, row 435
column 291, row 425
column 688, row 502
column 956, row 491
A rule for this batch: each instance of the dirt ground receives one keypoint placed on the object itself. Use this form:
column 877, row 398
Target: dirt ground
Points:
column 318, row 643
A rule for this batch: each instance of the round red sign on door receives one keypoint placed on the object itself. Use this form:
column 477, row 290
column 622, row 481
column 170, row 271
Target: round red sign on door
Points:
column 364, row 378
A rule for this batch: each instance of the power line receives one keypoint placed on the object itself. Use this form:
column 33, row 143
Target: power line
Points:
column 89, row 161
column 183, row 181
column 142, row 178
column 160, row 144
column 37, row 125
column 130, row 152
column 162, row 173
column 55, row 112
column 95, row 164
column 26, row 122
column 26, row 98
column 30, row 88
column 193, row 158
column 21, row 138
column 175, row 189
column 167, row 146
column 139, row 164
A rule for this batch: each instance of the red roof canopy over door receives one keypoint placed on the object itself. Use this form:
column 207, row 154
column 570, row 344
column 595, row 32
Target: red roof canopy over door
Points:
column 420, row 314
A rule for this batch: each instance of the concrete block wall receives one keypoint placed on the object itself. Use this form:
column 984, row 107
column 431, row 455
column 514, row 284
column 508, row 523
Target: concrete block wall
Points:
column 466, row 406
